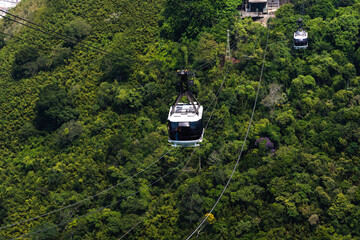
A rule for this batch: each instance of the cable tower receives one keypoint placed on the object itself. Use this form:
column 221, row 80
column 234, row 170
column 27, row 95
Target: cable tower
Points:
column 228, row 50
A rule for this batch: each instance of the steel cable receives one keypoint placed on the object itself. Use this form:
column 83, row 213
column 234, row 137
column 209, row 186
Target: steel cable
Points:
column 243, row 145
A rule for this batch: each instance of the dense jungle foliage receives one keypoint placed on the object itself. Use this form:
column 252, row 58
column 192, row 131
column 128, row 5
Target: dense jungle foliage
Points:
column 80, row 116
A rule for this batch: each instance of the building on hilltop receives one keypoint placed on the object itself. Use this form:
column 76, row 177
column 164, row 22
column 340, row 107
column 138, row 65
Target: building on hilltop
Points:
column 260, row 8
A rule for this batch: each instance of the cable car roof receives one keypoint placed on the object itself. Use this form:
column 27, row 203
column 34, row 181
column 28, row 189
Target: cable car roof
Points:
column 185, row 112
column 300, row 34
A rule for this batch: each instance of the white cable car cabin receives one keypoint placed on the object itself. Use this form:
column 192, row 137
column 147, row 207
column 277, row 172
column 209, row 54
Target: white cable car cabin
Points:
column 185, row 119
column 300, row 36
column 185, row 125
column 300, row 39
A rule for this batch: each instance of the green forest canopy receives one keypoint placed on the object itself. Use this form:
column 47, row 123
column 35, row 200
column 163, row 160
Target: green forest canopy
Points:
column 76, row 121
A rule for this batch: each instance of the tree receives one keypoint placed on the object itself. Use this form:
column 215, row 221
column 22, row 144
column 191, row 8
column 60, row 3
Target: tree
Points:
column 324, row 9
column 208, row 49
column 191, row 203
column 77, row 28
column 275, row 96
column 117, row 66
column 49, row 232
column 28, row 61
column 343, row 32
column 53, row 108
column 189, row 18
column 59, row 55
column 68, row 133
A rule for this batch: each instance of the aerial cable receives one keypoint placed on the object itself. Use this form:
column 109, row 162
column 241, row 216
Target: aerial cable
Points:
column 47, row 29
column 87, row 198
column 43, row 215
column 127, row 197
column 6, row 34
column 112, row 188
column 243, row 145
column 70, row 39
column 37, row 29
column 63, row 37
column 159, row 200
column 107, row 206
column 162, row 197
column 57, row 36
column 60, row 36
column 233, row 99
column 204, row 65
column 216, row 96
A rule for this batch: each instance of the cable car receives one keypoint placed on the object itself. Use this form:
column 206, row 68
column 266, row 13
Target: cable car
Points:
column 300, row 37
column 185, row 119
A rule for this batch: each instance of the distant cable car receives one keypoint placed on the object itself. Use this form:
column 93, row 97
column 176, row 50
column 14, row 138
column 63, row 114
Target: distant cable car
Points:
column 185, row 119
column 300, row 40
column 300, row 37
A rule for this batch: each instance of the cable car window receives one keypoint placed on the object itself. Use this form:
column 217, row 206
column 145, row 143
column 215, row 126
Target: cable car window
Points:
column 299, row 42
column 184, row 124
column 196, row 125
column 185, row 130
column 173, row 126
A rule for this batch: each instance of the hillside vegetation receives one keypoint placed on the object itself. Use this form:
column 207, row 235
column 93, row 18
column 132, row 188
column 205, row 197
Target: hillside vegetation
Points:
column 83, row 114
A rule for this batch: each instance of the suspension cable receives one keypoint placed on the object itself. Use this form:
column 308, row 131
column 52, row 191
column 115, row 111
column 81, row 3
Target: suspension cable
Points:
column 87, row 198
column 107, row 206
column 243, row 145
column 47, row 29
column 70, row 39
column 62, row 36
column 235, row 96
column 7, row 34
column 159, row 200
column 169, row 188
column 57, row 36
